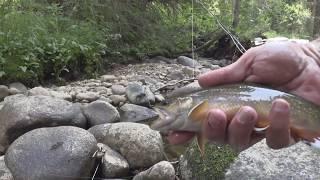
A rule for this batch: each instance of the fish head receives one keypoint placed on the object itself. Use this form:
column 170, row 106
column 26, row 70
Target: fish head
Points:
column 173, row 115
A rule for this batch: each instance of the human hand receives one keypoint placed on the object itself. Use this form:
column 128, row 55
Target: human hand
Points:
column 287, row 66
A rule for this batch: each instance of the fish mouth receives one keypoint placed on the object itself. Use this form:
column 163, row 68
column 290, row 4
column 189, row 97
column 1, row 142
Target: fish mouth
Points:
column 163, row 122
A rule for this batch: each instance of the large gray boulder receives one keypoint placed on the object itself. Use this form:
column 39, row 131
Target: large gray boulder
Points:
column 52, row 153
column 140, row 145
column 113, row 164
column 21, row 114
column 100, row 112
column 160, row 171
column 260, row 162
column 5, row 173
column 135, row 113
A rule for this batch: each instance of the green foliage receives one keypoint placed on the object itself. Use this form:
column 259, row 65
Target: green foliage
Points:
column 36, row 47
column 50, row 39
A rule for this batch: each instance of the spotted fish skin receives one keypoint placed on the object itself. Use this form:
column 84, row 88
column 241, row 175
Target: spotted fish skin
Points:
column 304, row 115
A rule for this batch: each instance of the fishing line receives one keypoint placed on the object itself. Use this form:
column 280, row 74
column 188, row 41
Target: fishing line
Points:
column 192, row 38
column 235, row 40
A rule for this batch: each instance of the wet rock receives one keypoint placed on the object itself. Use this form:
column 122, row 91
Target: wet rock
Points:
column 108, row 78
column 100, row 112
column 136, row 94
column 21, row 114
column 5, row 173
column 260, row 162
column 52, row 153
column 113, row 164
column 4, row 92
column 39, row 91
column 117, row 99
column 160, row 171
column 140, row 145
column 186, row 61
column 118, row 89
column 89, row 96
column 136, row 113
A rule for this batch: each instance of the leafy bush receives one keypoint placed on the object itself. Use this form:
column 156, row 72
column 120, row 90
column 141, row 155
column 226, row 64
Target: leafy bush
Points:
column 36, row 47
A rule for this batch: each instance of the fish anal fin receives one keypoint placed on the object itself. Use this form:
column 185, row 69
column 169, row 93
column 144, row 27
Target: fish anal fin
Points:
column 303, row 134
column 199, row 112
column 201, row 142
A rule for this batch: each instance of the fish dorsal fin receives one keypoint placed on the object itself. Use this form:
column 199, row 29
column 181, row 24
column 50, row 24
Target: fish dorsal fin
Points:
column 198, row 113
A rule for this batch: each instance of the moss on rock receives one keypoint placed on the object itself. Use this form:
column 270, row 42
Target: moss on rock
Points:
column 213, row 165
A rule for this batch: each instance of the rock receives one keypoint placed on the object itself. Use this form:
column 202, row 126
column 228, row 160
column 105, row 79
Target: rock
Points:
column 296, row 162
column 107, row 78
column 193, row 166
column 137, row 95
column 186, row 61
column 39, row 91
column 159, row 98
column 21, row 114
column 5, row 173
column 118, row 89
column 176, row 75
column 150, row 96
column 61, row 95
column 89, row 96
column 4, row 92
column 100, row 112
column 135, row 113
column 1, row 104
column 52, row 153
column 113, row 164
column 17, row 88
column 191, row 71
column 117, row 99
column 160, row 171
column 140, row 145
column 106, row 84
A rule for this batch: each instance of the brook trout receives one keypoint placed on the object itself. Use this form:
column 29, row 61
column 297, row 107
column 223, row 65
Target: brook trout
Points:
column 187, row 113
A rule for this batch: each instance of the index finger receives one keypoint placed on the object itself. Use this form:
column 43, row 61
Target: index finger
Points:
column 232, row 73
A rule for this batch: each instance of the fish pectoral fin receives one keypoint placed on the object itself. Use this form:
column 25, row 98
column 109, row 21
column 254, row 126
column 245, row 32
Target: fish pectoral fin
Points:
column 201, row 142
column 198, row 112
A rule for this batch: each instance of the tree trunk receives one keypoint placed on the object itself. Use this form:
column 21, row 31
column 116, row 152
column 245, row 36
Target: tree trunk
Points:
column 316, row 22
column 236, row 13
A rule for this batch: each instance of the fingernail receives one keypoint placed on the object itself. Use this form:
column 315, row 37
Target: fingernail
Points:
column 280, row 106
column 245, row 116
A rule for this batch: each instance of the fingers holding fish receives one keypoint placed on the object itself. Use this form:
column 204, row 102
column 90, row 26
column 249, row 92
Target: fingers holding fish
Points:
column 216, row 125
column 278, row 133
column 241, row 128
